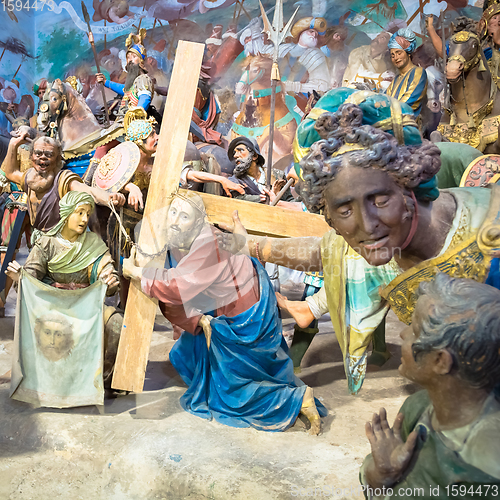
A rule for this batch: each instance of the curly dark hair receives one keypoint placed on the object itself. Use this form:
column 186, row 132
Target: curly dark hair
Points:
column 407, row 165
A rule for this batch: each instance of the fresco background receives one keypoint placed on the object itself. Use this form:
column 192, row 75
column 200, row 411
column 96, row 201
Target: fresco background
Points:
column 51, row 41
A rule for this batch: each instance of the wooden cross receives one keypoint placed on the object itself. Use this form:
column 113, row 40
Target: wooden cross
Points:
column 140, row 312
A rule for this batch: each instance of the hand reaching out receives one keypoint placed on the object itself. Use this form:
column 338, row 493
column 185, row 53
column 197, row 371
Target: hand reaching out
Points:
column 135, row 198
column 235, row 240
column 390, row 454
column 282, row 301
column 229, row 186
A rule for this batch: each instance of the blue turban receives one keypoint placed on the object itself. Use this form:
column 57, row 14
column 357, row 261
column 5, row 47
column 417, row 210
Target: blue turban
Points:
column 409, row 37
column 379, row 111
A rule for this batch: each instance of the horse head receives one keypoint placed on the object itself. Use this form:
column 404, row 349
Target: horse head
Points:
column 43, row 116
column 57, row 98
column 259, row 70
column 435, row 85
column 465, row 53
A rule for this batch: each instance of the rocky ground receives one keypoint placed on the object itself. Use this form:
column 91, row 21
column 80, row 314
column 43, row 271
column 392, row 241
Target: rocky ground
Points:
column 144, row 446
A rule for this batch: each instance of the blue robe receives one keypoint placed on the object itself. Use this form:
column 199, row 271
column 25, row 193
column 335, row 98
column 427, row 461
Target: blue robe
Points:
column 246, row 378
column 410, row 88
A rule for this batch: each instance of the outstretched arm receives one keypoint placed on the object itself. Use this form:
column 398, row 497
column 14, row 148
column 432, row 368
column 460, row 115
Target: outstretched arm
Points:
column 435, row 38
column 298, row 309
column 303, row 254
column 100, row 196
column 11, row 165
column 227, row 185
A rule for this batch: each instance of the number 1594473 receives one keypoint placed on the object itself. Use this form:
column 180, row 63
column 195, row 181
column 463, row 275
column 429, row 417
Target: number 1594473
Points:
column 18, row 5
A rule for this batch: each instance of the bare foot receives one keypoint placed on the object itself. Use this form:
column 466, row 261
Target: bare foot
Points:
column 310, row 411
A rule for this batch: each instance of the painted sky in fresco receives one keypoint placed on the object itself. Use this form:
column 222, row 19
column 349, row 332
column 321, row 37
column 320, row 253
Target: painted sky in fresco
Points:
column 57, row 37
column 23, row 30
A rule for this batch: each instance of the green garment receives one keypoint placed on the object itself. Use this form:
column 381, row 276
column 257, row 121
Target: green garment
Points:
column 86, row 249
column 79, row 255
column 455, row 158
column 379, row 110
column 436, row 465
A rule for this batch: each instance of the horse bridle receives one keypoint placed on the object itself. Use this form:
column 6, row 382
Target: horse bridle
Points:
column 461, row 37
column 54, row 118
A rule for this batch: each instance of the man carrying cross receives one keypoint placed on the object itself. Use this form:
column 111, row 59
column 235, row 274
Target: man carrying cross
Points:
column 238, row 372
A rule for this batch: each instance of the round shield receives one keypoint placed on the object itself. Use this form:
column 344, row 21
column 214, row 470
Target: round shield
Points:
column 117, row 167
column 481, row 171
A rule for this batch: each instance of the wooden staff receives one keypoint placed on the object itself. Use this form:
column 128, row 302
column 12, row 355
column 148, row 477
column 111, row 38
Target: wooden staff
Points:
column 17, row 70
column 91, row 40
column 277, row 34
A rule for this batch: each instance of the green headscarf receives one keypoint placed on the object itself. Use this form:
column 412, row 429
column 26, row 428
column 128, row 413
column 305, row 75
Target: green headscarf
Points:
column 86, row 249
column 380, row 111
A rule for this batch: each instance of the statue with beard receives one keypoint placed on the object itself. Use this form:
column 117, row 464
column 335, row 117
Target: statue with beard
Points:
column 249, row 172
column 231, row 353
column 138, row 88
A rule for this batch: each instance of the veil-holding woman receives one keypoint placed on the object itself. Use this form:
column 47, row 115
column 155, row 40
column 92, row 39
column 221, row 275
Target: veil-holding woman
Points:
column 70, row 257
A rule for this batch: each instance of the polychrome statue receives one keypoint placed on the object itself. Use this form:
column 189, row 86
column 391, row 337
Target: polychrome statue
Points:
column 238, row 371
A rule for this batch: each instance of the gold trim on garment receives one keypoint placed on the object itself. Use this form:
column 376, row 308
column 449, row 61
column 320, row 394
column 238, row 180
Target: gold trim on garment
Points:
column 468, row 259
column 464, row 261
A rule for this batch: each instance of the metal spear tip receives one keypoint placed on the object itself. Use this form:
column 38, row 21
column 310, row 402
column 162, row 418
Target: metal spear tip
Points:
column 276, row 31
column 86, row 14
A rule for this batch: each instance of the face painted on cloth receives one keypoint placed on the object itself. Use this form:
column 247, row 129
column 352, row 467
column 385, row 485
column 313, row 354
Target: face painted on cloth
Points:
column 54, row 338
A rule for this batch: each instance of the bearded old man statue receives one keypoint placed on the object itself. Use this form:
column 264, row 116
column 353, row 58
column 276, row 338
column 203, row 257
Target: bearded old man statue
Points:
column 138, row 87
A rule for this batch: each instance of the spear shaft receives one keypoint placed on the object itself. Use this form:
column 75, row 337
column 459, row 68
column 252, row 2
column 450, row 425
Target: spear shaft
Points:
column 271, row 135
column 91, row 40
column 277, row 34
column 17, row 71
column 443, row 41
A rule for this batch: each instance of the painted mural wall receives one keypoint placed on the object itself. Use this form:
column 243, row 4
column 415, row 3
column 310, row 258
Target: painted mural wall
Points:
column 348, row 43
column 17, row 64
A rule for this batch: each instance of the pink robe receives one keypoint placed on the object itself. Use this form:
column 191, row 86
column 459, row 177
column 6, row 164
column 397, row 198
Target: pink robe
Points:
column 206, row 280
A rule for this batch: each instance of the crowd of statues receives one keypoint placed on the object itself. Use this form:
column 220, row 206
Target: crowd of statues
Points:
column 414, row 229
